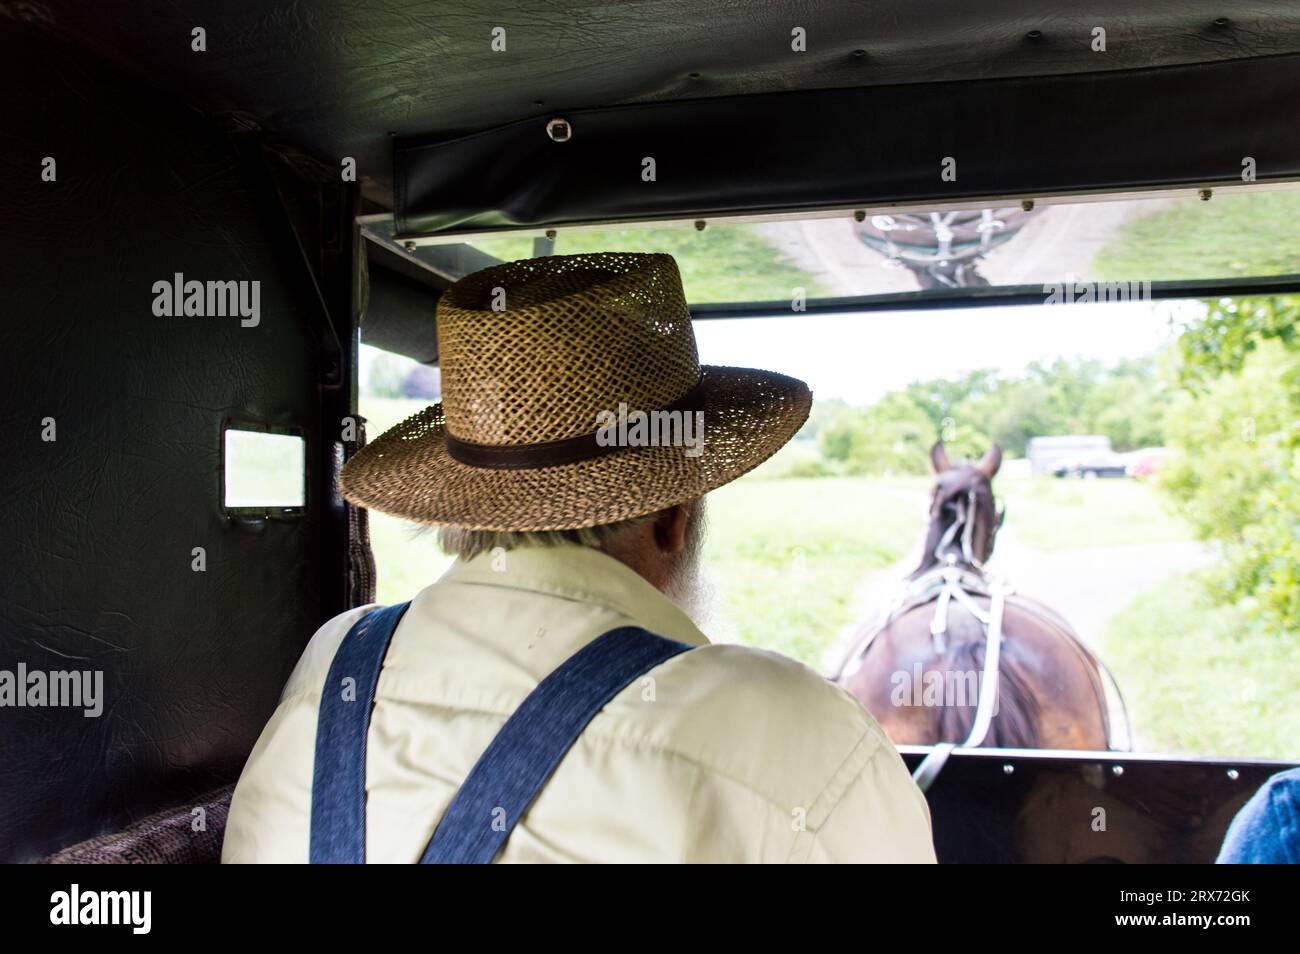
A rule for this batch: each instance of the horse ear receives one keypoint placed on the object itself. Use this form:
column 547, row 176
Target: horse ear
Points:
column 990, row 462
column 939, row 458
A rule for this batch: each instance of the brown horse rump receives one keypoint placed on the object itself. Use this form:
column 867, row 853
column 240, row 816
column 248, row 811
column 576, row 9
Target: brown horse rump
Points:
column 1051, row 691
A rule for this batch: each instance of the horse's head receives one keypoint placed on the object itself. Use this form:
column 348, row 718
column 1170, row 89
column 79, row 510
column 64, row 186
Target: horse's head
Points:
column 964, row 516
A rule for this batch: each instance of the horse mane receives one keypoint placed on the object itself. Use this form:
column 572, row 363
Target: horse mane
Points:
column 1018, row 714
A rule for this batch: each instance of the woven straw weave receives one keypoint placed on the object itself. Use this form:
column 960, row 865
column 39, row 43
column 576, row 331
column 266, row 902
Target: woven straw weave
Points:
column 579, row 334
column 613, row 327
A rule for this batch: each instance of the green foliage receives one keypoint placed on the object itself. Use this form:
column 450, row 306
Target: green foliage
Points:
column 387, row 375
column 939, row 398
column 1220, row 341
column 1270, row 550
column 1013, row 413
column 893, row 436
column 1235, row 474
column 799, row 458
column 723, row 263
column 1128, row 410
column 1126, row 402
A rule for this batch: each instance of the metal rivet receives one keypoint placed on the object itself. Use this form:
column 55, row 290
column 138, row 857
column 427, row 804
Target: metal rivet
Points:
column 859, row 215
column 1035, row 34
column 1117, row 770
column 1233, row 774
column 409, row 245
column 1221, row 21
column 1027, row 205
column 550, row 235
column 1205, row 194
column 559, row 130
column 699, row 225
column 1008, row 769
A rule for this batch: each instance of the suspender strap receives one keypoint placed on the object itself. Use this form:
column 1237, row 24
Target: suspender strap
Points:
column 507, row 776
column 338, row 786
column 517, row 763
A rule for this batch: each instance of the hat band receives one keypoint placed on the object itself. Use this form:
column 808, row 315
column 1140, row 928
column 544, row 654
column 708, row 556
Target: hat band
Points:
column 568, row 450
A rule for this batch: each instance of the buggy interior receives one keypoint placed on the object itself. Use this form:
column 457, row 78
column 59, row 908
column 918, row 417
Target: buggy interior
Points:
column 326, row 170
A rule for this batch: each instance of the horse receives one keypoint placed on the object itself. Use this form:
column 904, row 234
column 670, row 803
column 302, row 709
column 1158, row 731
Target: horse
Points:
column 960, row 658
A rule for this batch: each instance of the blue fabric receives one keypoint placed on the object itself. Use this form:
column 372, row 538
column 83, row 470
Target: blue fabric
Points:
column 338, row 785
column 507, row 776
column 517, row 763
column 1267, row 829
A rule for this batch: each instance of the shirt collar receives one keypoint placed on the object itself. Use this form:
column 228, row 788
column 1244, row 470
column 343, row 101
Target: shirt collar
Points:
column 581, row 573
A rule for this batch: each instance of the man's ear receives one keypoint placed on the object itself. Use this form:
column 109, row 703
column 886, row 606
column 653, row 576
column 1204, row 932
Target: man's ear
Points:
column 670, row 528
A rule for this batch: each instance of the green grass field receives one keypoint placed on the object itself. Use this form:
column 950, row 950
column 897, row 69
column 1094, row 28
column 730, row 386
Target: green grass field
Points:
column 1252, row 234
column 788, row 555
column 1204, row 679
column 724, row 263
column 1054, row 514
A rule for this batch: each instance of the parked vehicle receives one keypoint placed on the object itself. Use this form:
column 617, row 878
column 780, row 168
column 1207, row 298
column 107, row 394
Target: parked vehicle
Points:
column 1064, row 455
column 1101, row 465
column 1146, row 462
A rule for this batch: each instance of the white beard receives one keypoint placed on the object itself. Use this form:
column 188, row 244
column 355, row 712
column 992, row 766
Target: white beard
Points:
column 693, row 588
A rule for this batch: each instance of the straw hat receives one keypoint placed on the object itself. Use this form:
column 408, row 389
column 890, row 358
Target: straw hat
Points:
column 514, row 444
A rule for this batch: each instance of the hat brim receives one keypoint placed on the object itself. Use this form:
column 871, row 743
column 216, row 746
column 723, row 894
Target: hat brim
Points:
column 407, row 472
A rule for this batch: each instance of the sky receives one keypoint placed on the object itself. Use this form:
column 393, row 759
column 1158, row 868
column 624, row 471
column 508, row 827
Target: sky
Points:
column 859, row 358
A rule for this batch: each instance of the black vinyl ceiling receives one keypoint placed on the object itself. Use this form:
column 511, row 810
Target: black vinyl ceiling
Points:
column 335, row 78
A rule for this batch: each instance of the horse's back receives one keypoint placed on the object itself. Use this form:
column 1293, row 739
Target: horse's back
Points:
column 919, row 688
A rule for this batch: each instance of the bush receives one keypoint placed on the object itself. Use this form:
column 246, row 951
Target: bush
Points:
column 893, row 436
column 1235, row 474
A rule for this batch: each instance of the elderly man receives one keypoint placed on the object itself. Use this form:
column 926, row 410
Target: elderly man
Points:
column 549, row 698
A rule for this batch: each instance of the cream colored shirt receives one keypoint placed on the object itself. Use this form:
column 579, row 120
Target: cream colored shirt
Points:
column 721, row 754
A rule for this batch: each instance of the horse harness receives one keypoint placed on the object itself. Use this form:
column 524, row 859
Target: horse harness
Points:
column 948, row 581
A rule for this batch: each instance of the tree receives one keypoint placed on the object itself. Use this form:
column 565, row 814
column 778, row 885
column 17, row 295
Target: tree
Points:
column 1235, row 466
column 892, row 436
column 1010, row 415
column 1219, row 341
column 386, row 373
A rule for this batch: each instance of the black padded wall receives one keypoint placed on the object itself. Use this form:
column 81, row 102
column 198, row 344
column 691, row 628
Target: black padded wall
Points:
column 97, row 527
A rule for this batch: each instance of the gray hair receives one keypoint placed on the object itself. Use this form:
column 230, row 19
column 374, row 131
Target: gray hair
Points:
column 468, row 544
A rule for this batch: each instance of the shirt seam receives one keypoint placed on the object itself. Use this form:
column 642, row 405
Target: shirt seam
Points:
column 690, row 805
column 845, row 774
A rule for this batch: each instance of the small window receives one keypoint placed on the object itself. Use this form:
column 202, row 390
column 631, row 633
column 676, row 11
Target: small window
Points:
column 264, row 471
